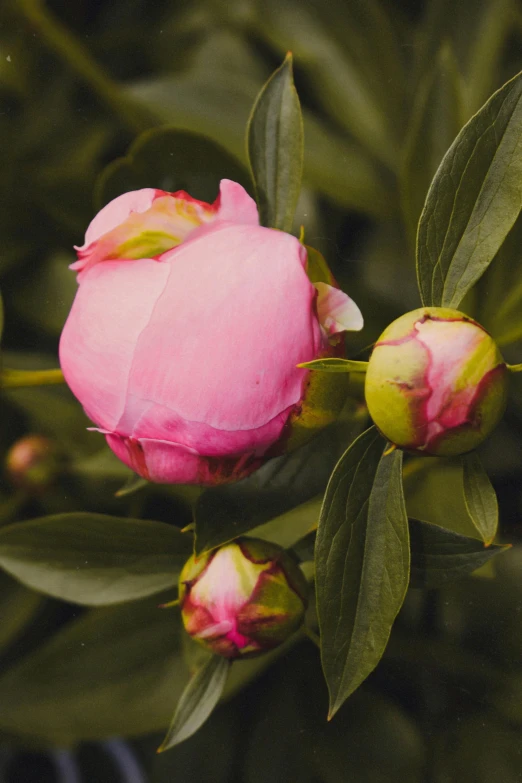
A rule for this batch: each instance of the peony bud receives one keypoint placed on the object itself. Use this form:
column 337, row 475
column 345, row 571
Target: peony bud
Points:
column 242, row 599
column 436, row 382
column 32, row 463
column 186, row 331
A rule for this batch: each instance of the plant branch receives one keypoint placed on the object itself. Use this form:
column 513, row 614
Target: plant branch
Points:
column 18, row 379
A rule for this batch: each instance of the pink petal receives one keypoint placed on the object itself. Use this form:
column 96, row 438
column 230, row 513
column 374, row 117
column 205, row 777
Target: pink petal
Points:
column 446, row 343
column 173, row 463
column 118, row 210
column 336, row 311
column 111, row 309
column 235, row 205
column 147, row 223
column 214, row 631
column 141, row 418
column 235, row 319
column 226, row 584
column 189, row 365
column 168, row 222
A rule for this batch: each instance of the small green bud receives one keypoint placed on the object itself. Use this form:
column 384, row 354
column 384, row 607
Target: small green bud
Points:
column 242, row 599
column 436, row 382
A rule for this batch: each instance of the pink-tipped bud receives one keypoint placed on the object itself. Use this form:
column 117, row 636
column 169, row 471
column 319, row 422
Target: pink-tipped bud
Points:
column 436, row 382
column 242, row 599
column 32, row 463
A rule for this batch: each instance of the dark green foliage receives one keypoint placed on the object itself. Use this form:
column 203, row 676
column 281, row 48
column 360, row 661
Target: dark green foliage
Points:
column 100, row 98
column 362, row 563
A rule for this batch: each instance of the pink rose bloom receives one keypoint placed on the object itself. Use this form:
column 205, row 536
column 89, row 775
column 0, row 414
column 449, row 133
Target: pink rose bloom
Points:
column 189, row 322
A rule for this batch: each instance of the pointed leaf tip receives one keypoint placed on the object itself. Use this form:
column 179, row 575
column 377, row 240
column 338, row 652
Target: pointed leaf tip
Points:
column 480, row 498
column 473, row 201
column 362, row 563
column 275, row 148
column 197, row 701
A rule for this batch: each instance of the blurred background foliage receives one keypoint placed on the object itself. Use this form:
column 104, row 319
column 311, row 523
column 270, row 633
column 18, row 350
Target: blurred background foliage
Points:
column 101, row 96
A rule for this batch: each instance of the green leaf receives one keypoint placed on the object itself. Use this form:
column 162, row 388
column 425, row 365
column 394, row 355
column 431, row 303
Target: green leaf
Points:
column 171, row 159
column 223, row 513
column 292, row 526
column 94, row 559
column 439, row 556
column 436, row 484
column 114, row 671
column 362, row 563
column 335, row 365
column 436, row 120
column 500, row 291
column 197, row 701
column 480, row 497
column 473, row 200
column 352, row 60
column 220, row 107
column 275, row 148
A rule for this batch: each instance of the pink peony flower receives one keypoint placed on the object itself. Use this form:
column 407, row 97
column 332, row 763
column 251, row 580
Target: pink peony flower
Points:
column 242, row 599
column 189, row 322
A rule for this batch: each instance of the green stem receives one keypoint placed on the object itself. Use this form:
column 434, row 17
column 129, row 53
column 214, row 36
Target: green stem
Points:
column 18, row 379
column 514, row 367
column 60, row 40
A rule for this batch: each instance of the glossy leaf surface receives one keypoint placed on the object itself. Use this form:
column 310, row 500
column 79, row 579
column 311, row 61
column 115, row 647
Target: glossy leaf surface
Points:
column 275, row 148
column 197, row 701
column 439, row 556
column 94, row 559
column 473, row 200
column 362, row 563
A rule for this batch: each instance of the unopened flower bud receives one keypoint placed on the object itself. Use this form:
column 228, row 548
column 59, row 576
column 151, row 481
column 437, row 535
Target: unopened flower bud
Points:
column 32, row 463
column 436, row 382
column 242, row 599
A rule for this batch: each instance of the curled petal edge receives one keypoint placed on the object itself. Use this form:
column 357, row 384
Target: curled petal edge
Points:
column 336, row 311
column 148, row 223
